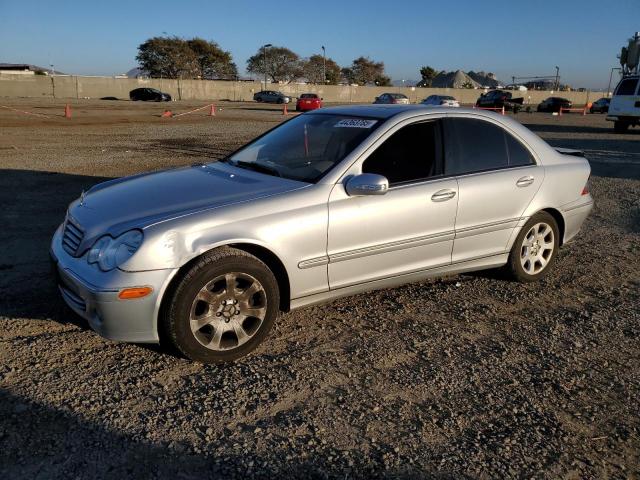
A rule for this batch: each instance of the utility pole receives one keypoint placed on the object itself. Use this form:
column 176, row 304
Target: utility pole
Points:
column 324, row 66
column 557, row 78
column 264, row 62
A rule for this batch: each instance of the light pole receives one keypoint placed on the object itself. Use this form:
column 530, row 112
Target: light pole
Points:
column 264, row 62
column 610, row 78
column 53, row 70
column 557, row 78
column 324, row 66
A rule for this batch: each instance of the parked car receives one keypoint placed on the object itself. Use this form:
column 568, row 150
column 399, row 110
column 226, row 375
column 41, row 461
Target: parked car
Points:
column 149, row 94
column 499, row 99
column 328, row 204
column 440, row 100
column 553, row 104
column 392, row 98
column 270, row 96
column 308, row 101
column 624, row 109
column 600, row 106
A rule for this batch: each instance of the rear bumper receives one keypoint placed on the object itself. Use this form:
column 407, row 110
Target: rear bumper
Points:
column 93, row 295
column 574, row 216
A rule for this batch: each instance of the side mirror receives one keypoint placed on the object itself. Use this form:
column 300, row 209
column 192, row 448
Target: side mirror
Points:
column 367, row 184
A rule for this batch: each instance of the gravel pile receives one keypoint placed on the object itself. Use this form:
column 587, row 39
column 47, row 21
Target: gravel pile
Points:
column 469, row 376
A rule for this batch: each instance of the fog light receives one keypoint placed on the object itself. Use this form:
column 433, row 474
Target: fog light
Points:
column 136, row 292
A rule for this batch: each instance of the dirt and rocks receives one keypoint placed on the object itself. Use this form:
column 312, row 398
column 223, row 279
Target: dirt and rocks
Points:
column 470, row 376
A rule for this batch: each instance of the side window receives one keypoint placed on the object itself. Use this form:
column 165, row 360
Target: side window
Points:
column 476, row 145
column 410, row 154
column 627, row 87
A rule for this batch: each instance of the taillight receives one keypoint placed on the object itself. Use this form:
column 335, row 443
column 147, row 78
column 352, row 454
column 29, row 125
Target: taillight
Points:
column 585, row 190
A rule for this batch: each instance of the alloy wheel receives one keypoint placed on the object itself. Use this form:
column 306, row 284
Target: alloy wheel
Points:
column 228, row 311
column 537, row 248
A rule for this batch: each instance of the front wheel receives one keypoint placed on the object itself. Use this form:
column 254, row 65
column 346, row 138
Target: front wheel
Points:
column 223, row 307
column 535, row 248
column 620, row 127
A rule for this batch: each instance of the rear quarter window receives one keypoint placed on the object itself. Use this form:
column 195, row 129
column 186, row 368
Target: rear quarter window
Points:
column 627, row 87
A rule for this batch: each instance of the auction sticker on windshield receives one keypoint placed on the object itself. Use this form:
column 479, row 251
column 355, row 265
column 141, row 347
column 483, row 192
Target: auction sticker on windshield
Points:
column 356, row 123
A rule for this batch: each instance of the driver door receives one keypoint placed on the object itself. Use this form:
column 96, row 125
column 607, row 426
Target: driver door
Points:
column 406, row 230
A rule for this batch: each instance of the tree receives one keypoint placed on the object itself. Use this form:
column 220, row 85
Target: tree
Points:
column 428, row 74
column 363, row 70
column 168, row 57
column 212, row 61
column 382, row 81
column 313, row 67
column 174, row 57
column 279, row 63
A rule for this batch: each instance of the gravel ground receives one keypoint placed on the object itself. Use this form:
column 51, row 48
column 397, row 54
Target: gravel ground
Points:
column 468, row 376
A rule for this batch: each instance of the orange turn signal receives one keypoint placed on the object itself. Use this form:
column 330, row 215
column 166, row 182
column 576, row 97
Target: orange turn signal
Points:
column 137, row 292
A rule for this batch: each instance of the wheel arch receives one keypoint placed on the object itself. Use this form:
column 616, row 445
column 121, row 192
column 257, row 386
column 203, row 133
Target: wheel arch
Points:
column 262, row 253
column 557, row 216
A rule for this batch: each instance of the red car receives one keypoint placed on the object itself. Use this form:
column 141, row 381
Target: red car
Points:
column 308, row 101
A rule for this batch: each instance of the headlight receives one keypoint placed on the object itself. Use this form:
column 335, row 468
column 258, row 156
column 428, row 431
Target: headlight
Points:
column 110, row 253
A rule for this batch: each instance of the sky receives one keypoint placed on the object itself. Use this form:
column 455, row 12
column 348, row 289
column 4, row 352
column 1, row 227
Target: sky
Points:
column 528, row 38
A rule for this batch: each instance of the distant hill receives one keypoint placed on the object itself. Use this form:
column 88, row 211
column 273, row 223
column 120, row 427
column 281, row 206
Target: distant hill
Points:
column 137, row 72
column 460, row 79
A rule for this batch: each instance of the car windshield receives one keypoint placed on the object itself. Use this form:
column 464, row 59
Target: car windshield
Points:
column 308, row 95
column 306, row 147
column 153, row 90
column 398, row 95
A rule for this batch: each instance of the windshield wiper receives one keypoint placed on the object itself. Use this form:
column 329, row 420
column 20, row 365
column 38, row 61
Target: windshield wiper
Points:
column 258, row 167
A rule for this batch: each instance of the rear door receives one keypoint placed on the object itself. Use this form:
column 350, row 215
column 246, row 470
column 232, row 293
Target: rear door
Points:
column 497, row 178
column 626, row 99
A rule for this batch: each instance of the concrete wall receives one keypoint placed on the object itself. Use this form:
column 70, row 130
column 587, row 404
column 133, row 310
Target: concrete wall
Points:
column 97, row 87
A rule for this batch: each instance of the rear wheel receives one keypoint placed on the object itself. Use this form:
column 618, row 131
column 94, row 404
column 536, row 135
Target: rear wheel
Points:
column 535, row 248
column 620, row 127
column 222, row 308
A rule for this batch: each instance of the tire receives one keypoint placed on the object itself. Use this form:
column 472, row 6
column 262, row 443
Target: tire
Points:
column 620, row 127
column 200, row 309
column 529, row 263
column 259, row 99
column 280, row 101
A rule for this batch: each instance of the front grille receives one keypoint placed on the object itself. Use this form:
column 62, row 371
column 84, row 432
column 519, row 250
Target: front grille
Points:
column 71, row 237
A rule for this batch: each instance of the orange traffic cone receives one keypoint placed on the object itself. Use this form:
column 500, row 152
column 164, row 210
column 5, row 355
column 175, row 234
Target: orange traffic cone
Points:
column 167, row 114
column 67, row 111
column 284, row 109
column 212, row 112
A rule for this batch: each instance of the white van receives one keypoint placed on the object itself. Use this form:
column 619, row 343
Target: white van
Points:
column 624, row 109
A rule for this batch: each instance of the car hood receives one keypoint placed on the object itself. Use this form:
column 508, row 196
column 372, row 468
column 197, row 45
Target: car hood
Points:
column 118, row 205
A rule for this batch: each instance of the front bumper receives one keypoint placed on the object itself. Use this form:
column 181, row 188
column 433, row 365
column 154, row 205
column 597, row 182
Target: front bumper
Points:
column 93, row 295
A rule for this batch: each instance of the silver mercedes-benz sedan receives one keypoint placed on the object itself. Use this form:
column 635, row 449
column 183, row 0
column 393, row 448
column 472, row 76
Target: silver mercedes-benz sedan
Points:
column 330, row 203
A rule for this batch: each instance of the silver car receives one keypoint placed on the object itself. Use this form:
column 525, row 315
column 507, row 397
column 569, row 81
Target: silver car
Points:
column 392, row 98
column 330, row 203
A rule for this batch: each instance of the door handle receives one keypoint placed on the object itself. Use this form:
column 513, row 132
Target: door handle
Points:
column 525, row 181
column 443, row 195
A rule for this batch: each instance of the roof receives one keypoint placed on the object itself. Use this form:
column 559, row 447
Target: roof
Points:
column 382, row 111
